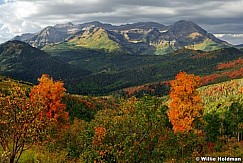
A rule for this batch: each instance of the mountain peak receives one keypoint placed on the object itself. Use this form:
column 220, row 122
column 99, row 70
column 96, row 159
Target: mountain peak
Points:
column 187, row 25
column 141, row 25
column 184, row 21
column 21, row 49
column 69, row 24
column 95, row 22
column 15, row 44
column 183, row 28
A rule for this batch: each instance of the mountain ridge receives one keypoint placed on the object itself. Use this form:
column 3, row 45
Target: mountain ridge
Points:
column 132, row 37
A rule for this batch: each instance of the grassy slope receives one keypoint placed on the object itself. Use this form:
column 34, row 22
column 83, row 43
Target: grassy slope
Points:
column 164, row 49
column 99, row 39
column 206, row 45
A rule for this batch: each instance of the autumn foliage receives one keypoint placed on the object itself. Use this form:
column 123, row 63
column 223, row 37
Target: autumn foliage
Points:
column 99, row 137
column 48, row 95
column 230, row 64
column 18, row 122
column 109, row 129
column 185, row 106
column 209, row 79
column 234, row 73
column 24, row 119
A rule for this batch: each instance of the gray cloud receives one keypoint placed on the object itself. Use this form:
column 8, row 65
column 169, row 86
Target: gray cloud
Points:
column 216, row 16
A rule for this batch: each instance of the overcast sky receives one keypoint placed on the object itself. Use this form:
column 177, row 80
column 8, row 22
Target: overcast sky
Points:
column 215, row 16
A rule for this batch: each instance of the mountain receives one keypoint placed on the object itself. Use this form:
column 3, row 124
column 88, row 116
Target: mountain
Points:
column 95, row 24
column 186, row 31
column 116, row 57
column 137, row 38
column 140, row 25
column 239, row 46
column 64, row 26
column 97, row 38
column 114, row 72
column 186, row 34
column 49, row 35
column 23, row 62
column 152, row 35
column 24, row 37
column 55, row 34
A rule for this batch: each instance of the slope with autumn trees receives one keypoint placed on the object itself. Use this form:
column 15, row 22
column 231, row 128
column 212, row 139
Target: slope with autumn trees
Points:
column 125, row 129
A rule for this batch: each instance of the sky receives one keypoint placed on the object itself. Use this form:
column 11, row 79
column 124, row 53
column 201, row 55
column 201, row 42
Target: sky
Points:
column 29, row 16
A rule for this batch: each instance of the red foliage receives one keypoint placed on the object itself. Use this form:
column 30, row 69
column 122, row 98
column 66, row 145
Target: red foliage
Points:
column 96, row 103
column 210, row 146
column 209, row 79
column 204, row 55
column 131, row 91
column 231, row 64
column 235, row 73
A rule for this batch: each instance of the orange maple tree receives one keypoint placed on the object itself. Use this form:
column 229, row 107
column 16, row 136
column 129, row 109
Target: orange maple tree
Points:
column 48, row 95
column 185, row 107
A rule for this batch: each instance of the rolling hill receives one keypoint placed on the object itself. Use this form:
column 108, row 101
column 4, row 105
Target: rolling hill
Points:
column 23, row 62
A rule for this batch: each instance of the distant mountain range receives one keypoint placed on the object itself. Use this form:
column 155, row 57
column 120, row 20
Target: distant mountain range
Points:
column 138, row 38
column 233, row 38
column 239, row 46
